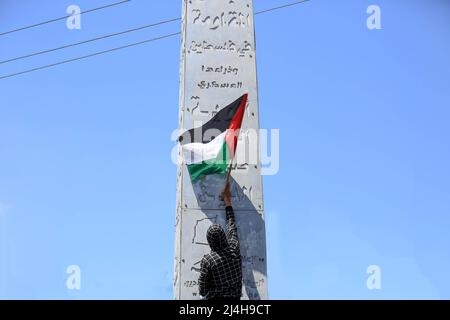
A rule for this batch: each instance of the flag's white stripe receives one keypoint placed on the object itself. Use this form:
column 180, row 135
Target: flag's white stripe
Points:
column 198, row 152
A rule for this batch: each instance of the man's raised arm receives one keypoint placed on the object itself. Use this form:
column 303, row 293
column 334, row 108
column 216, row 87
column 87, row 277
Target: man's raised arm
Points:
column 232, row 235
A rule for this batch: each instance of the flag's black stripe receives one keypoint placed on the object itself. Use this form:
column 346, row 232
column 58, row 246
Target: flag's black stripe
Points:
column 217, row 124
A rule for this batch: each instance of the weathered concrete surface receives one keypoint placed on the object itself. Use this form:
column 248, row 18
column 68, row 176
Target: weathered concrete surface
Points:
column 218, row 65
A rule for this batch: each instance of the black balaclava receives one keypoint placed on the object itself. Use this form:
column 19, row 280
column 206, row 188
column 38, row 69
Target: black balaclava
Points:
column 216, row 238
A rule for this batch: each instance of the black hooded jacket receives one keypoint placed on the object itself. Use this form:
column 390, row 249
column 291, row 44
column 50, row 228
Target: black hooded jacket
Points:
column 221, row 269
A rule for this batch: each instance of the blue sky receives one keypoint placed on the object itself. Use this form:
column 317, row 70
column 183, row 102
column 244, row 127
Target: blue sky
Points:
column 86, row 176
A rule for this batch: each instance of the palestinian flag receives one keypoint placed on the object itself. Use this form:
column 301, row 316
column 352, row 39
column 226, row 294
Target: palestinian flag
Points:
column 210, row 148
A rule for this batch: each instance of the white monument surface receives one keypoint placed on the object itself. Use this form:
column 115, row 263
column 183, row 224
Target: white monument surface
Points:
column 218, row 65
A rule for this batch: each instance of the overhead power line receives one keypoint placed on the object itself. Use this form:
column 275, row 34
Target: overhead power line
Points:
column 130, row 45
column 30, row 55
column 89, row 40
column 90, row 55
column 62, row 18
column 281, row 7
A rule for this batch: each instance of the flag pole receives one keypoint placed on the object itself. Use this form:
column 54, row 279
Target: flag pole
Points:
column 229, row 172
column 227, row 181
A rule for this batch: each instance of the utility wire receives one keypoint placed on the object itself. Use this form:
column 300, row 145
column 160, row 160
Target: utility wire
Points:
column 62, row 18
column 90, row 55
column 124, row 32
column 89, row 40
column 281, row 7
column 129, row 45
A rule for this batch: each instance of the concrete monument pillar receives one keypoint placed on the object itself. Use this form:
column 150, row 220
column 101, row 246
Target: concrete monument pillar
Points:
column 218, row 65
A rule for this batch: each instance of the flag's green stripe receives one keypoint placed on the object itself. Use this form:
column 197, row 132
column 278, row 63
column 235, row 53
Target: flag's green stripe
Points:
column 218, row 165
